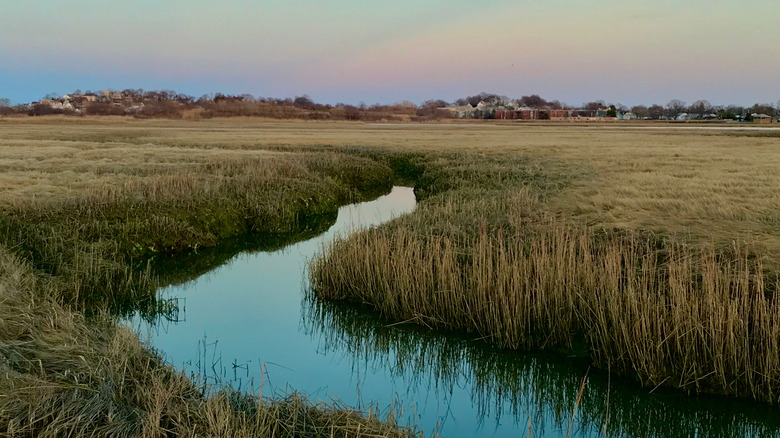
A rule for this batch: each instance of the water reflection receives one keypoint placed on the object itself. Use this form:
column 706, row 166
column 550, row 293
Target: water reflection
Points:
column 179, row 269
column 511, row 390
column 237, row 315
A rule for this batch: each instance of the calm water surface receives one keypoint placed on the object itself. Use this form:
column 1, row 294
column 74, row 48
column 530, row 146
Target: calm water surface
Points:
column 251, row 311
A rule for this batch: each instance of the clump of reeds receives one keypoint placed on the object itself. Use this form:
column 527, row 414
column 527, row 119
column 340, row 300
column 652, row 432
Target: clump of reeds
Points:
column 696, row 318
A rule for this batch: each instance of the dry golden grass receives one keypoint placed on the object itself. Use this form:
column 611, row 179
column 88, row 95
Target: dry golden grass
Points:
column 710, row 185
column 517, row 225
column 53, row 170
column 79, row 199
column 666, row 313
column 707, row 184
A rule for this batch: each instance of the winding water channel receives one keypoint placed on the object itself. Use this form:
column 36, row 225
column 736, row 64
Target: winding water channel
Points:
column 242, row 308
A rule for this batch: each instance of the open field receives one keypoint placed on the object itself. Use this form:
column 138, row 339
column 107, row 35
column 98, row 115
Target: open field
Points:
column 707, row 184
column 652, row 251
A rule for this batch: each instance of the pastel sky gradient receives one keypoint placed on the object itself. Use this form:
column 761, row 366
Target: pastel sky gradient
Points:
column 630, row 52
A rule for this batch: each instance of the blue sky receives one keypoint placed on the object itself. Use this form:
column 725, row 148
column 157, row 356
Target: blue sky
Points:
column 351, row 51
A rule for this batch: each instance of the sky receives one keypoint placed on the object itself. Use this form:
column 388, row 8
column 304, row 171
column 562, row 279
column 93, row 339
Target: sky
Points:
column 351, row 51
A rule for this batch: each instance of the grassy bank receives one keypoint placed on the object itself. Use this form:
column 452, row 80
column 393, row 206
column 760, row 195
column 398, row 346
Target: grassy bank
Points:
column 81, row 210
column 63, row 375
column 697, row 319
column 77, row 214
column 498, row 252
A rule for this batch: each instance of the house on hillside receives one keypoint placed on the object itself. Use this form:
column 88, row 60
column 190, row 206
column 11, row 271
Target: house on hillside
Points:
column 515, row 104
column 53, row 104
column 461, row 111
column 77, row 101
column 110, row 95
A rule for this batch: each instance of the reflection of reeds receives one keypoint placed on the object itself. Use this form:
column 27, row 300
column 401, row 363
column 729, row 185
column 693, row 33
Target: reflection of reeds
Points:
column 577, row 403
column 162, row 311
column 177, row 269
column 542, row 389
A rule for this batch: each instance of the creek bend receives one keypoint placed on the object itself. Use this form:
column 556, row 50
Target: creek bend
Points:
column 245, row 309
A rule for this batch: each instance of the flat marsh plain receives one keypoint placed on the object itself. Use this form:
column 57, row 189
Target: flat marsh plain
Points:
column 653, row 252
column 708, row 184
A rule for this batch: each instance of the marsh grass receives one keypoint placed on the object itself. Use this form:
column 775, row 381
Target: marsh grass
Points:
column 83, row 218
column 697, row 184
column 89, row 238
column 496, row 266
column 618, row 245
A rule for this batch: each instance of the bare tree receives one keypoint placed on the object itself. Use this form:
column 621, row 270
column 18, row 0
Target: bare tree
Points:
column 655, row 111
column 700, row 107
column 555, row 104
column 674, row 108
column 246, row 97
column 762, row 108
column 641, row 111
column 533, row 101
column 5, row 102
column 303, row 101
column 594, row 106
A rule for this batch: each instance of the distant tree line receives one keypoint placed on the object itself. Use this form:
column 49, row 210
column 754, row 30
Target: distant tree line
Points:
column 170, row 104
column 700, row 109
column 532, row 101
column 703, row 109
